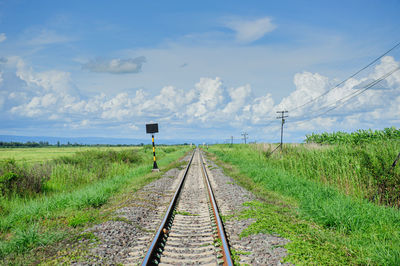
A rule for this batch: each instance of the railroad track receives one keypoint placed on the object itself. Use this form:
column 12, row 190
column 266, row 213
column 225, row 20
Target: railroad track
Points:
column 191, row 232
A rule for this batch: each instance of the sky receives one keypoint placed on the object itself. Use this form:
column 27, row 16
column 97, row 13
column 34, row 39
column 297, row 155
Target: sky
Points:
column 201, row 69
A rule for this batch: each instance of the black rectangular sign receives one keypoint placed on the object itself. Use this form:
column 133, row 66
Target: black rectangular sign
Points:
column 151, row 128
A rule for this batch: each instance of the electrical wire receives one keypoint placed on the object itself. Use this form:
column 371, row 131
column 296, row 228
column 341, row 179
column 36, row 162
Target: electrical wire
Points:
column 350, row 96
column 342, row 82
column 268, row 123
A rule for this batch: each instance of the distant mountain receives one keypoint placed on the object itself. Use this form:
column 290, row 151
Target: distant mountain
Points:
column 96, row 140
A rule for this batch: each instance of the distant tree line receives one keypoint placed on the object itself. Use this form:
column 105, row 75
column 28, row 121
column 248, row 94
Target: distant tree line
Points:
column 32, row 144
column 29, row 144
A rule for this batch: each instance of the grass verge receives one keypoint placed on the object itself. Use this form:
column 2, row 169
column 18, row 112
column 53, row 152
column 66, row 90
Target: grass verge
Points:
column 324, row 225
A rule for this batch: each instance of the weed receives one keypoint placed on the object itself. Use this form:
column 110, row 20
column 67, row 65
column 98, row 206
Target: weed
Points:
column 186, row 213
column 80, row 219
column 86, row 236
column 235, row 255
column 217, row 242
column 121, row 219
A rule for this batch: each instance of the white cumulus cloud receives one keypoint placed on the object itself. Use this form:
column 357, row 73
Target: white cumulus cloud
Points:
column 208, row 95
column 261, row 108
column 239, row 97
column 250, row 30
column 308, row 86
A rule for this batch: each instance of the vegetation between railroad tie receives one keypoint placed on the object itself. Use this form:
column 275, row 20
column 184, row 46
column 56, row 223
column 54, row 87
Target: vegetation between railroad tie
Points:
column 49, row 202
column 319, row 197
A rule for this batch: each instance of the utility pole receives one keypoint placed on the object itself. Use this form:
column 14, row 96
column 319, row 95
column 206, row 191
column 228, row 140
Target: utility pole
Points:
column 395, row 162
column 231, row 140
column 282, row 116
column 245, row 136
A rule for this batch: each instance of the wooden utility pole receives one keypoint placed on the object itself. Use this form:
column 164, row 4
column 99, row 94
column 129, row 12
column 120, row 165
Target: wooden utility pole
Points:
column 282, row 116
column 245, row 136
column 395, row 162
column 231, row 140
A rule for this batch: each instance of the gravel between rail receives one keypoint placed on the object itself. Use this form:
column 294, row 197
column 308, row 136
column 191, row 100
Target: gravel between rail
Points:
column 124, row 239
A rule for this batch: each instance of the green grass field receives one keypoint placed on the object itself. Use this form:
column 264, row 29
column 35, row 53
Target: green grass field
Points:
column 38, row 155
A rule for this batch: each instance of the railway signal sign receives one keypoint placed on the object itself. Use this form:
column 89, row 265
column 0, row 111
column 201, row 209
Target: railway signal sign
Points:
column 151, row 129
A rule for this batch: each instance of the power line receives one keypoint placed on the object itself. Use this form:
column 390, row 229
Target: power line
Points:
column 342, row 82
column 343, row 100
column 353, row 95
column 350, row 96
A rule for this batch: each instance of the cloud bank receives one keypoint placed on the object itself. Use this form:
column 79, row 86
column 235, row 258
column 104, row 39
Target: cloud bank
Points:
column 52, row 96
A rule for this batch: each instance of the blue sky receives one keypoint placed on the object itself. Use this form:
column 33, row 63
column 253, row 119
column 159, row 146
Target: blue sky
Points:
column 201, row 69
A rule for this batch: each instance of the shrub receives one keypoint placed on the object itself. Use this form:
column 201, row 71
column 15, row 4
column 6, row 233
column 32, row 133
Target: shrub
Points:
column 169, row 149
column 22, row 179
column 87, row 159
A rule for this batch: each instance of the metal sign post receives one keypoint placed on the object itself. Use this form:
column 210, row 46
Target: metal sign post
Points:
column 151, row 129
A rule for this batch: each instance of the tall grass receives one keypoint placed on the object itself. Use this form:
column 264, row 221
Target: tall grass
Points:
column 363, row 171
column 65, row 172
column 88, row 166
column 74, row 185
column 372, row 230
column 357, row 137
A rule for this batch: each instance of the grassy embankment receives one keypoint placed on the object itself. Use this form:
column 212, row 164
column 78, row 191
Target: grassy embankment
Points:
column 326, row 199
column 43, row 203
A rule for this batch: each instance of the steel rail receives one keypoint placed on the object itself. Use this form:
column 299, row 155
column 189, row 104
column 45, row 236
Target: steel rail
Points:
column 221, row 232
column 151, row 255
